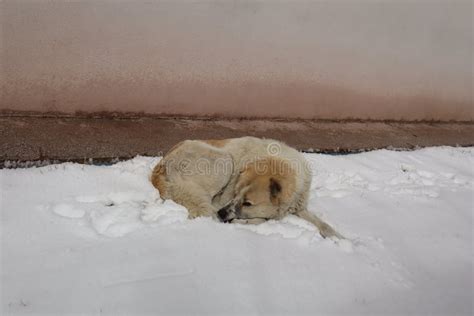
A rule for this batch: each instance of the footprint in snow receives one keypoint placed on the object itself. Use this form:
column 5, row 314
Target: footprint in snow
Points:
column 68, row 210
column 119, row 213
column 422, row 182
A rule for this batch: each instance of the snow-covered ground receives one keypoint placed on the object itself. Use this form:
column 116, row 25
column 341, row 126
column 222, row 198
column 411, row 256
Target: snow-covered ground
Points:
column 78, row 239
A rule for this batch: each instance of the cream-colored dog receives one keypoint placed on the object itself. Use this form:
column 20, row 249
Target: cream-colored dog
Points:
column 245, row 180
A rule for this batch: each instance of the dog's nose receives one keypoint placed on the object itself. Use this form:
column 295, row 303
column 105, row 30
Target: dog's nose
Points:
column 222, row 213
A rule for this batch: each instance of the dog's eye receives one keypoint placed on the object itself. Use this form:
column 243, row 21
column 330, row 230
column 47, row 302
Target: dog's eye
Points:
column 247, row 203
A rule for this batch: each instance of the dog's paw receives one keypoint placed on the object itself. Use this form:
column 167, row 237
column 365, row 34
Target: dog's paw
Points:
column 193, row 214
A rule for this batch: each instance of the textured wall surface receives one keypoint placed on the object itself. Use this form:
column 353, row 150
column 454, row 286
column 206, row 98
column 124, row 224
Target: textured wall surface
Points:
column 311, row 59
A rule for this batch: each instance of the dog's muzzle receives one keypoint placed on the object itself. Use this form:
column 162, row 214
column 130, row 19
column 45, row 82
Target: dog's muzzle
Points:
column 226, row 214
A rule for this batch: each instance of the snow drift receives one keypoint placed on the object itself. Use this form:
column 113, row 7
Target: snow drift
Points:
column 98, row 240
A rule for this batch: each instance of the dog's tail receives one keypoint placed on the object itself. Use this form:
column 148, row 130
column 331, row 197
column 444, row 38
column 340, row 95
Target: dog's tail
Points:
column 325, row 229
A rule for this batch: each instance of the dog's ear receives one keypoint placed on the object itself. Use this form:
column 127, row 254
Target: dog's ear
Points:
column 275, row 190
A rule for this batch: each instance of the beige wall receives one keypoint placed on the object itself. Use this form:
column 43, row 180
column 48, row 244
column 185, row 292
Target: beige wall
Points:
column 311, row 59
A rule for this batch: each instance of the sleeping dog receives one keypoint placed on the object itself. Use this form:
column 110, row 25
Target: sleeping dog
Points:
column 243, row 180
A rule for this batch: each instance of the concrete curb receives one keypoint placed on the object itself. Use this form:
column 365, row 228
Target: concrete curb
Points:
column 104, row 139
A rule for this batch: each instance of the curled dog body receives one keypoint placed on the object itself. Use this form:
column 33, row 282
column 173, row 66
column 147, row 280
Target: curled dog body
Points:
column 244, row 180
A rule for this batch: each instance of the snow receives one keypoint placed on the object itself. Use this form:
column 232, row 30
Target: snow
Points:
column 78, row 239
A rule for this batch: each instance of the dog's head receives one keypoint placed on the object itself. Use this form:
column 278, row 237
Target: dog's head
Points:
column 263, row 190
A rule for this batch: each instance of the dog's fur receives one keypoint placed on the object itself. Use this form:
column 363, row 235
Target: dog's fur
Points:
column 244, row 180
